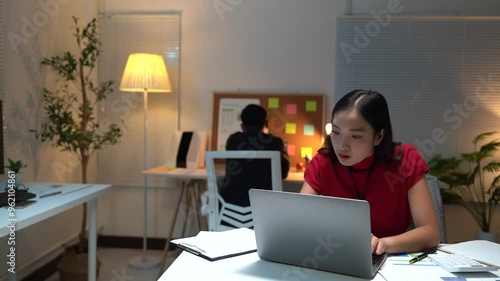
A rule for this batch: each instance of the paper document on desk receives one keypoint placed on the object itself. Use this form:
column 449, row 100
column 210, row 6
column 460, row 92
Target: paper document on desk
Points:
column 219, row 245
column 398, row 268
column 480, row 250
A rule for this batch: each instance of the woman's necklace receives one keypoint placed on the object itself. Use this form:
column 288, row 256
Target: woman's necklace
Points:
column 365, row 191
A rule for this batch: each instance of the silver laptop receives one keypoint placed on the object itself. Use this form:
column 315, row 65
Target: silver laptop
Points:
column 312, row 231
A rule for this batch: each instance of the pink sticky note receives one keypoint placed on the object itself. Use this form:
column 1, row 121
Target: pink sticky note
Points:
column 291, row 108
column 291, row 149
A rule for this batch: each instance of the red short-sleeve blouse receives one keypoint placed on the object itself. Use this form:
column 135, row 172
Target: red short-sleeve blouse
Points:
column 385, row 188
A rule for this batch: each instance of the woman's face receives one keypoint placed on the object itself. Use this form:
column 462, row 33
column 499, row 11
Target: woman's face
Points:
column 352, row 137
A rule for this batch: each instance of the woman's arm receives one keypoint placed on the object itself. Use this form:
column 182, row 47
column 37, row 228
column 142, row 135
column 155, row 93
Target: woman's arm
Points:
column 426, row 233
column 307, row 189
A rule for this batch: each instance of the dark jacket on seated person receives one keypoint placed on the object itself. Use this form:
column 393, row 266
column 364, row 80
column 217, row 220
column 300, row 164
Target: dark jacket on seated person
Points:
column 244, row 174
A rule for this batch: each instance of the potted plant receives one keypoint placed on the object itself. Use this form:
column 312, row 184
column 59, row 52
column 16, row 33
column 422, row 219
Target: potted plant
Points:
column 16, row 166
column 71, row 123
column 474, row 180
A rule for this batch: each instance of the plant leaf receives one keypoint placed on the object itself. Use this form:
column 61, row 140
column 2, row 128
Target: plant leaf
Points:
column 482, row 136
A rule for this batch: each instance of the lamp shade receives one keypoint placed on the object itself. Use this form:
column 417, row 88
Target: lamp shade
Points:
column 145, row 72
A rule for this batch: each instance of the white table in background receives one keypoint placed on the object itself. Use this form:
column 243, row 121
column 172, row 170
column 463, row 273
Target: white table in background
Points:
column 201, row 174
column 72, row 196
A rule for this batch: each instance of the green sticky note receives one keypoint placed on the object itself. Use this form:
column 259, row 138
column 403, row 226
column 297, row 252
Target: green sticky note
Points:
column 311, row 106
column 290, row 128
column 308, row 130
column 273, row 103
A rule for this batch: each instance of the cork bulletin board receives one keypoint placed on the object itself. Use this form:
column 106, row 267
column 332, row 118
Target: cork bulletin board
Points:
column 299, row 119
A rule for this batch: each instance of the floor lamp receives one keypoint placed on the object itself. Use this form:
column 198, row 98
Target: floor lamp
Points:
column 147, row 73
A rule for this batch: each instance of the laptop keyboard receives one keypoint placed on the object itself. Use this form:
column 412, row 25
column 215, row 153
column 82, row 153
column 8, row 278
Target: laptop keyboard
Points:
column 378, row 259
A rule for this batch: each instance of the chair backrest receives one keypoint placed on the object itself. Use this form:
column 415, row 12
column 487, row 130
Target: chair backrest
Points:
column 433, row 184
column 232, row 214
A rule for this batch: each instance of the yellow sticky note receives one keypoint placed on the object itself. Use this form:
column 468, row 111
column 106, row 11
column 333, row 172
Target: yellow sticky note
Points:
column 273, row 103
column 311, row 106
column 290, row 128
column 306, row 151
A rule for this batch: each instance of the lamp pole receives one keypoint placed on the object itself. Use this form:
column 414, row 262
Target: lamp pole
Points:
column 145, row 72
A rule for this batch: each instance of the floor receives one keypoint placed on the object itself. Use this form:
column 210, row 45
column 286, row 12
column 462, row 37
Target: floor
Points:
column 114, row 265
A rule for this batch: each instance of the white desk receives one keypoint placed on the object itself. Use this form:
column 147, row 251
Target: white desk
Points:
column 250, row 267
column 72, row 195
column 245, row 267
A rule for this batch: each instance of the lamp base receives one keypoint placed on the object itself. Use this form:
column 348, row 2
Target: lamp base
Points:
column 140, row 263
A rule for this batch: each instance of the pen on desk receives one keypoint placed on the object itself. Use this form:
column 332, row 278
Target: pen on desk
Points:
column 423, row 255
column 191, row 248
column 50, row 194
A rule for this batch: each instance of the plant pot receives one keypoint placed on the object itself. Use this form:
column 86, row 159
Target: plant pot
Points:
column 488, row 236
column 17, row 179
column 74, row 267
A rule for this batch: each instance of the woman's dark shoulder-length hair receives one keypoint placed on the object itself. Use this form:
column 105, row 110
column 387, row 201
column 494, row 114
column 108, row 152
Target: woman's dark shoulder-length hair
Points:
column 373, row 107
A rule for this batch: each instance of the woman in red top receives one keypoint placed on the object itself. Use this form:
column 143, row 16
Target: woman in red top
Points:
column 361, row 161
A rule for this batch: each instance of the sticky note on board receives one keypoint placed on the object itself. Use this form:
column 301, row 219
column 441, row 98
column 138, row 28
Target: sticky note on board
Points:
column 273, row 103
column 308, row 130
column 306, row 151
column 291, row 108
column 291, row 149
column 290, row 128
column 311, row 106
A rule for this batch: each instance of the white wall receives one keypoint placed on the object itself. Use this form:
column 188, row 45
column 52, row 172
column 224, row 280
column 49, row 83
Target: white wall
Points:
column 258, row 45
column 252, row 45
column 42, row 29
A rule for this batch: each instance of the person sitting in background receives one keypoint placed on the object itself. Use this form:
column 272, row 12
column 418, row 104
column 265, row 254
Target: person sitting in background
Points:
column 360, row 160
column 252, row 173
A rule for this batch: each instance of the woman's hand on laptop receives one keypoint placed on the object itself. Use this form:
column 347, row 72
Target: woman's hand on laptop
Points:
column 378, row 245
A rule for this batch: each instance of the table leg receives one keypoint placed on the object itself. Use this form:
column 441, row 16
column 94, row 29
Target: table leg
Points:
column 187, row 206
column 92, row 243
column 171, row 230
column 196, row 198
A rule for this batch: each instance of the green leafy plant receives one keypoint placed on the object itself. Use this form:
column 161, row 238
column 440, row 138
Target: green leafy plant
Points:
column 15, row 166
column 468, row 177
column 70, row 109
